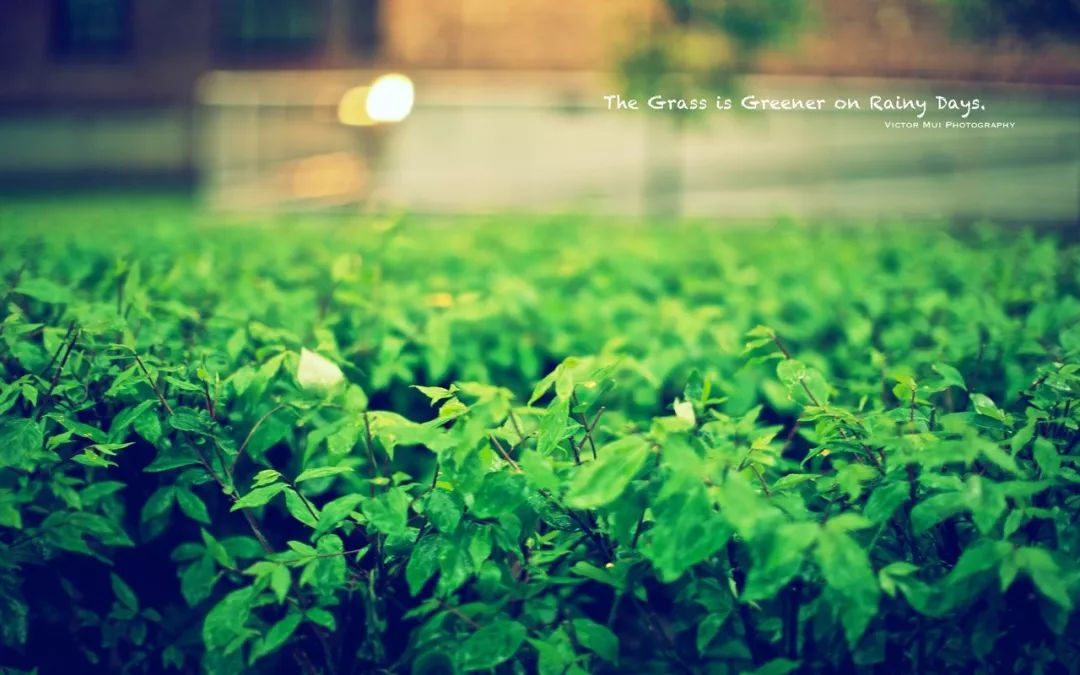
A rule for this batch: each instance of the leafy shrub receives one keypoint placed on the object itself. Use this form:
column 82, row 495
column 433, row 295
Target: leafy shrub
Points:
column 418, row 446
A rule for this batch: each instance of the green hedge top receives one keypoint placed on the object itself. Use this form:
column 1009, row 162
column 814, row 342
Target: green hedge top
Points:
column 556, row 447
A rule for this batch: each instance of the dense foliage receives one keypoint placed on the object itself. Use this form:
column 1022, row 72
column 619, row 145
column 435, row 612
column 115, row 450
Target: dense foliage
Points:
column 330, row 446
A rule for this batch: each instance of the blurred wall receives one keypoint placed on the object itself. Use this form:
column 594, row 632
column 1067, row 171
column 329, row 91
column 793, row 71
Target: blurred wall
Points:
column 542, row 141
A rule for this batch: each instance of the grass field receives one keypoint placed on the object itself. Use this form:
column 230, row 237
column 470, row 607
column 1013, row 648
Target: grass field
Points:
column 337, row 444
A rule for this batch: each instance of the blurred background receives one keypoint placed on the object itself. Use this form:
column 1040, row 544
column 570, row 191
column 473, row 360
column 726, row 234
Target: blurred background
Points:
column 473, row 106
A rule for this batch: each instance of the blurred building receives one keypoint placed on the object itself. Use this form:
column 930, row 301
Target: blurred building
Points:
column 131, row 53
column 107, row 91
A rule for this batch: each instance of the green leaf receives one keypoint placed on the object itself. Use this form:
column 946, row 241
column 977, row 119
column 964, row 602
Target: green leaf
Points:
column 849, row 577
column 436, row 394
column 544, row 384
column 744, row 507
column 258, row 496
column 888, row 575
column 300, row 509
column 601, row 481
column 539, row 471
column 388, row 512
column 777, row 559
column 423, row 563
column 342, row 441
column 19, row 438
column 158, row 504
column 992, row 453
column 329, row 568
column 791, row 480
column 270, row 433
column 126, row 417
column 217, row 550
column 44, row 290
column 226, row 620
column 1046, row 574
column 800, row 379
column 278, row 634
column 552, row 426
column 192, row 506
column 1047, row 458
column 442, row 510
column 265, row 477
column 92, row 459
column 491, row 645
column 98, row 491
column 455, row 566
column 148, row 425
column 123, row 593
column 986, row 501
column 885, row 499
column 500, row 492
column 280, row 581
column 80, row 429
column 192, row 421
column 598, row 574
column 985, row 406
column 936, row 509
column 979, row 557
column 597, row 638
column 322, row 472
column 777, row 667
column 707, row 630
column 949, row 375
column 320, row 616
column 687, row 531
column 197, row 580
column 334, row 511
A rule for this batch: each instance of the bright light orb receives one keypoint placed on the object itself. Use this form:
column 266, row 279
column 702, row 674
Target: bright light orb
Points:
column 352, row 110
column 390, row 98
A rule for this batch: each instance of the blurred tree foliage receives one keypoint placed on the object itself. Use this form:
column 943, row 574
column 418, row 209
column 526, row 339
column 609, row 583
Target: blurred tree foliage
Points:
column 697, row 46
column 1025, row 19
column 700, row 45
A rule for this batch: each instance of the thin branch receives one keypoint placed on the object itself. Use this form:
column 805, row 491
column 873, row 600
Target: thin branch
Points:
column 305, row 500
column 761, row 479
column 152, row 383
column 60, row 368
column 582, row 523
column 505, row 455
column 59, row 348
column 210, row 405
column 585, row 423
column 517, row 427
column 369, row 445
column 254, row 428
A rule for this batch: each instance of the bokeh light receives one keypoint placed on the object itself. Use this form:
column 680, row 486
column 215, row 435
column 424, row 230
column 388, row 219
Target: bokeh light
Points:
column 390, row 98
column 352, row 109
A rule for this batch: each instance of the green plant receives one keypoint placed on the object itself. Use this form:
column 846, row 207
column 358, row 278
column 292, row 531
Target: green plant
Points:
column 427, row 446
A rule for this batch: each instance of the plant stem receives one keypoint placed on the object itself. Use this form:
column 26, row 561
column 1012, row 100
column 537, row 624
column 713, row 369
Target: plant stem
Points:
column 152, row 383
column 504, row 453
column 369, row 445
